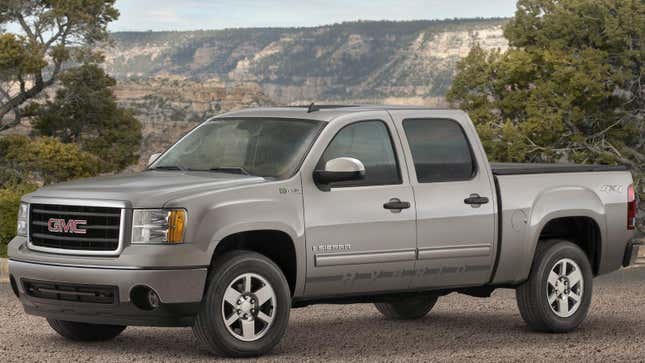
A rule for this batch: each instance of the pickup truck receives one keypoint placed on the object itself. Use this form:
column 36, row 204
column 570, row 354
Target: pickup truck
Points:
column 258, row 211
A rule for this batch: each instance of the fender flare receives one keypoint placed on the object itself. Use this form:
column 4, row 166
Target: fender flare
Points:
column 561, row 202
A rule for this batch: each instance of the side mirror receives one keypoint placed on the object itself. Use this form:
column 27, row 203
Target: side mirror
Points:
column 340, row 169
column 153, row 158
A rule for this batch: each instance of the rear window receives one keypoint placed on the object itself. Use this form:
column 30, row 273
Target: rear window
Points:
column 440, row 150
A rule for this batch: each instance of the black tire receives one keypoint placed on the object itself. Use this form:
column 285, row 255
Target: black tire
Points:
column 408, row 309
column 532, row 295
column 85, row 332
column 209, row 327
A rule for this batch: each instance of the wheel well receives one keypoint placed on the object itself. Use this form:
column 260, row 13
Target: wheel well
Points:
column 276, row 245
column 583, row 231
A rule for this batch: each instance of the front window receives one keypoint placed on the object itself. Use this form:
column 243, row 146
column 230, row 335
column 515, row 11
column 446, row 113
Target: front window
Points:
column 272, row 148
column 369, row 142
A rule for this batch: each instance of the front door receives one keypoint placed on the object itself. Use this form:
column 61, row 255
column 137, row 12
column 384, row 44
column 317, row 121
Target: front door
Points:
column 354, row 242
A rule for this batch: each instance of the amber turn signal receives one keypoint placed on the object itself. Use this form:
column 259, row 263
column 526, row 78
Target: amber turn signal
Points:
column 176, row 225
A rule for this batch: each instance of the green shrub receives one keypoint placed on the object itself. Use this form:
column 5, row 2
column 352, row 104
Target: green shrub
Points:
column 43, row 160
column 9, row 202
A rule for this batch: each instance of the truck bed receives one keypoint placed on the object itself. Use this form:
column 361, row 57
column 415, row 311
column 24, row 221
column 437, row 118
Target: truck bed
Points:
column 530, row 168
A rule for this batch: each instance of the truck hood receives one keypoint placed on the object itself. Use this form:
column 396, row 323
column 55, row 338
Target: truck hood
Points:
column 148, row 189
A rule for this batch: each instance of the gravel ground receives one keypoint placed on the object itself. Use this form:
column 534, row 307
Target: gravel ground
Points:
column 459, row 328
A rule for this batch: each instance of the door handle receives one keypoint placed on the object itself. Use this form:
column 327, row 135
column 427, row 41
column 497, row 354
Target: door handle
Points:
column 476, row 200
column 396, row 204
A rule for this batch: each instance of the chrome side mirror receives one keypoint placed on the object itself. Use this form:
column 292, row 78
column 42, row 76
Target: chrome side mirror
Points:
column 340, row 169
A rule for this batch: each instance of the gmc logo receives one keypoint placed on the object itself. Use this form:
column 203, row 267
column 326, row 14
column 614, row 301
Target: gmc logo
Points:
column 71, row 226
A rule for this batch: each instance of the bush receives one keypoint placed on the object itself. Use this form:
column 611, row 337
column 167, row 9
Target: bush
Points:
column 43, row 160
column 9, row 202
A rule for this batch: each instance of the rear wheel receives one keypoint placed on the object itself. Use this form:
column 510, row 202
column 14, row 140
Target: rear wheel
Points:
column 557, row 295
column 85, row 332
column 408, row 309
column 245, row 311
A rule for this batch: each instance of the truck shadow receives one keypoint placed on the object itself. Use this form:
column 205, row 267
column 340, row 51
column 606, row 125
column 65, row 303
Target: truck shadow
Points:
column 368, row 335
column 373, row 336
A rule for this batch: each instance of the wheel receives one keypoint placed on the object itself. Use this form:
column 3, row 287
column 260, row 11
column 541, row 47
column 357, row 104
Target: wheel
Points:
column 409, row 309
column 245, row 310
column 557, row 295
column 85, row 332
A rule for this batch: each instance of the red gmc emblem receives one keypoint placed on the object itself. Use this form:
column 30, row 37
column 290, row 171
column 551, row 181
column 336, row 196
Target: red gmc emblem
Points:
column 70, row 226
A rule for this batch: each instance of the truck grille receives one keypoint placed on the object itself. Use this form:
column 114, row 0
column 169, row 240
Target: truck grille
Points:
column 71, row 292
column 99, row 230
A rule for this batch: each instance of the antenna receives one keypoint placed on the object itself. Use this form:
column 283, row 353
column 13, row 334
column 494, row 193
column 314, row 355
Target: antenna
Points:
column 313, row 108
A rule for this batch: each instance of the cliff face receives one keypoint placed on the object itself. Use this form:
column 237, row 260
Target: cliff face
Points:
column 366, row 61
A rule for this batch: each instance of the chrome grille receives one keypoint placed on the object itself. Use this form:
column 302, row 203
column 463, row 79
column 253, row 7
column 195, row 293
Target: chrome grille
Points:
column 102, row 227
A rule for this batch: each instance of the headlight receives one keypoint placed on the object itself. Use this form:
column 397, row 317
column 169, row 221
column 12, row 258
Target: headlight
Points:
column 158, row 225
column 23, row 219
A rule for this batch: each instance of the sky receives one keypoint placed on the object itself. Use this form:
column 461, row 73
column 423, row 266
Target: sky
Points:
column 142, row 15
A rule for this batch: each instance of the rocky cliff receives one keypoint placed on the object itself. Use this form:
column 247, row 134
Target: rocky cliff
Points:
column 366, row 61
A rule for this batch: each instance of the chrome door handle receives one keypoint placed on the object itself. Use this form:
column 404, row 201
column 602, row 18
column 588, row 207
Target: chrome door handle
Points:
column 396, row 204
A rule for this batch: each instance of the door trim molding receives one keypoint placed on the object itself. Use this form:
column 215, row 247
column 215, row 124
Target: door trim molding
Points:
column 362, row 258
column 465, row 251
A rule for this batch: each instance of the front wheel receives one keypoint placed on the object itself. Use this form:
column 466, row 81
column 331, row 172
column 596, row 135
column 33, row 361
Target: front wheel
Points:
column 557, row 295
column 245, row 311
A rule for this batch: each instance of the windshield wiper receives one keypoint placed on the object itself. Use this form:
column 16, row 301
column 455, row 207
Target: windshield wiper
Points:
column 167, row 167
column 231, row 169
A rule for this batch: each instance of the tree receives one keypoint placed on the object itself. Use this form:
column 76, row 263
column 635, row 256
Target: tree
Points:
column 53, row 34
column 84, row 111
column 570, row 88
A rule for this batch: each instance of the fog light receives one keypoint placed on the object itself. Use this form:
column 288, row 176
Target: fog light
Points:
column 145, row 298
column 153, row 299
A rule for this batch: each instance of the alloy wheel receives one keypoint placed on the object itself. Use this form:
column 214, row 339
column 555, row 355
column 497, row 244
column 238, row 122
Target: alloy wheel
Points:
column 249, row 307
column 565, row 286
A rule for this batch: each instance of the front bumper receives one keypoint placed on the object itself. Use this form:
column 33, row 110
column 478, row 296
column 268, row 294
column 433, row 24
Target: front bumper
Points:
column 180, row 292
column 633, row 250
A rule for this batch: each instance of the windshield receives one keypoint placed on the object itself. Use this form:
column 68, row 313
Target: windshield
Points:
column 262, row 147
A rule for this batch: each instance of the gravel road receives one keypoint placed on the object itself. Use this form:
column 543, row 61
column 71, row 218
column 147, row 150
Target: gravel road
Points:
column 459, row 328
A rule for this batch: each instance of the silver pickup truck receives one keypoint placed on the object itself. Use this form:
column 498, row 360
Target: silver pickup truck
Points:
column 258, row 211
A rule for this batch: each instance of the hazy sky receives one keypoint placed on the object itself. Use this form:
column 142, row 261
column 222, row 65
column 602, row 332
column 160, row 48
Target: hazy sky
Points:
column 217, row 14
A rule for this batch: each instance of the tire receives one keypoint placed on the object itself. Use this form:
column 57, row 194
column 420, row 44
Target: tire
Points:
column 558, row 307
column 85, row 332
column 225, row 290
column 409, row 309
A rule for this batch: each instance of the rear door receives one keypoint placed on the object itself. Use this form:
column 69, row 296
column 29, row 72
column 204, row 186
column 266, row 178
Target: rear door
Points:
column 354, row 243
column 454, row 195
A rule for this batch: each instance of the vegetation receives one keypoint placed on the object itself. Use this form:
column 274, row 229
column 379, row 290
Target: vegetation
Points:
column 43, row 160
column 570, row 88
column 85, row 112
column 54, row 33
